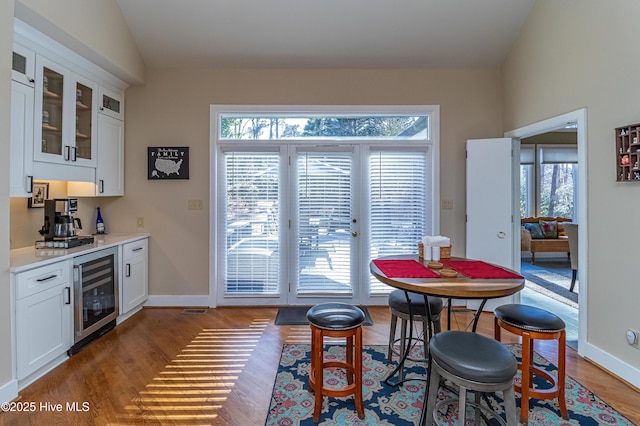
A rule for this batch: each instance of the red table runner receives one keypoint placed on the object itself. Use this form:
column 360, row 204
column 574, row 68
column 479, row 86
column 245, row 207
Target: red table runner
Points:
column 404, row 269
column 479, row 269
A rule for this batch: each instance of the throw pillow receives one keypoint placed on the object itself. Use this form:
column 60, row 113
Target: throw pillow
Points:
column 535, row 229
column 561, row 231
column 549, row 228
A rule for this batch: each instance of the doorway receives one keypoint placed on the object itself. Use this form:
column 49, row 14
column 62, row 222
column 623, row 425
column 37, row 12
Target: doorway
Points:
column 579, row 118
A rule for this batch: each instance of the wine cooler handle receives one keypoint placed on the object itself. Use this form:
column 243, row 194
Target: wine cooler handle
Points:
column 77, row 285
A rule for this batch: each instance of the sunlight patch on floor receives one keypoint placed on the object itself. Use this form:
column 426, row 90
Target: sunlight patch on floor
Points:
column 193, row 387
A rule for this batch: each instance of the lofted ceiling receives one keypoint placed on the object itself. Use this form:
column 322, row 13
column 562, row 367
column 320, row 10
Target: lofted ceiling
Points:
column 324, row 33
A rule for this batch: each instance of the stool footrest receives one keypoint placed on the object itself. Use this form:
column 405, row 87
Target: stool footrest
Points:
column 482, row 408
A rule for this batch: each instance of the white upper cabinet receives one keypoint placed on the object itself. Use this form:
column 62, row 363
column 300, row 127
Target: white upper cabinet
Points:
column 85, row 119
column 64, row 128
column 112, row 103
column 110, row 169
column 69, row 93
column 23, row 66
column 21, row 147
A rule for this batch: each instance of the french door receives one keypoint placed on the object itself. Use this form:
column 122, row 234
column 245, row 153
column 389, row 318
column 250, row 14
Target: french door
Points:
column 326, row 216
column 302, row 222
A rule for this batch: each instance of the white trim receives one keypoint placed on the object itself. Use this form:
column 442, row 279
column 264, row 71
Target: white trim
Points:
column 43, row 45
column 9, row 391
column 579, row 117
column 614, row 365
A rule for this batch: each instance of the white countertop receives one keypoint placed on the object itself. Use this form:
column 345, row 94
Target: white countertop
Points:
column 26, row 258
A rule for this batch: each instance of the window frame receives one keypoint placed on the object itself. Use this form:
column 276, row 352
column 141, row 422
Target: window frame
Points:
column 216, row 111
column 534, row 186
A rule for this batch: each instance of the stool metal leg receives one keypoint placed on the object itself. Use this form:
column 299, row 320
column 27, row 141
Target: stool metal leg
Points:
column 392, row 338
column 403, row 347
column 434, row 385
column 509, row 397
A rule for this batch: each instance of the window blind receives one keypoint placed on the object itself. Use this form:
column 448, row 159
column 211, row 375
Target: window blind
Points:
column 252, row 250
column 399, row 200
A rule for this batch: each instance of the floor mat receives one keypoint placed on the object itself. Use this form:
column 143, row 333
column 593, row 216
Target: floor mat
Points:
column 552, row 278
column 297, row 315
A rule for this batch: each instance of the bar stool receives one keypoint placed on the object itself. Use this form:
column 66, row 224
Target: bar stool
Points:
column 400, row 309
column 339, row 320
column 472, row 362
column 531, row 324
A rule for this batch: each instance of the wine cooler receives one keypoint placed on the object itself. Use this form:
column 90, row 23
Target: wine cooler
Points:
column 95, row 287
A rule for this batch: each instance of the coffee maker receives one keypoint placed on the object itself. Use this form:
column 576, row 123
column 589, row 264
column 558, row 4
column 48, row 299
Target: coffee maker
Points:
column 61, row 227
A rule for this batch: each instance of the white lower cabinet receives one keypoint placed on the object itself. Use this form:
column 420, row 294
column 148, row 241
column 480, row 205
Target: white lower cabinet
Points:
column 134, row 289
column 44, row 321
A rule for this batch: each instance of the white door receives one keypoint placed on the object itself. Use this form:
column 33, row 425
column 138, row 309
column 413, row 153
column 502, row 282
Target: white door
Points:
column 327, row 224
column 492, row 216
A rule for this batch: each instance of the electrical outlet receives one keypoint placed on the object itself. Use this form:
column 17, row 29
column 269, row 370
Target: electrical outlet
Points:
column 140, row 222
column 633, row 338
column 446, row 204
column 194, row 204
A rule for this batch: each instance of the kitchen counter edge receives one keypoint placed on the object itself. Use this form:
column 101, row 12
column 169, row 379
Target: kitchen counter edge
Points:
column 23, row 259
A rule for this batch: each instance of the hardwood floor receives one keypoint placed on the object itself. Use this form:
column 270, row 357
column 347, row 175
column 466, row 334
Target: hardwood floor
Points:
column 163, row 366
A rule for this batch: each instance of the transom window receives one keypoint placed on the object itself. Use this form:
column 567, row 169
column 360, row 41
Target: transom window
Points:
column 287, row 127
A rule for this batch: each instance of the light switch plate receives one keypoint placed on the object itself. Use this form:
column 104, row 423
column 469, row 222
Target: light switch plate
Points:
column 446, row 204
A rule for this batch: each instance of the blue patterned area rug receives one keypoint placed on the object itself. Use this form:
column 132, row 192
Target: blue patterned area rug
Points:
column 292, row 403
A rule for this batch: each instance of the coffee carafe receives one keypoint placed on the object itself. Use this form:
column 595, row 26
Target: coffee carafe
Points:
column 65, row 226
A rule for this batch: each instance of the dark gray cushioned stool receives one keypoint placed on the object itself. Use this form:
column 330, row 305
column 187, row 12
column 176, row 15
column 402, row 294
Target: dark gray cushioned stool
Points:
column 339, row 320
column 400, row 309
column 472, row 362
column 531, row 324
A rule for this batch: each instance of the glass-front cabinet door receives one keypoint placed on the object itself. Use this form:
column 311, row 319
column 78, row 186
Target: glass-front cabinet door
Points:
column 111, row 103
column 49, row 123
column 85, row 120
column 65, row 116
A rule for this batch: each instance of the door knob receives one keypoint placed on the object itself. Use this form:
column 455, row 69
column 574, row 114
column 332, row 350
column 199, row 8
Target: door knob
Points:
column 354, row 234
column 501, row 235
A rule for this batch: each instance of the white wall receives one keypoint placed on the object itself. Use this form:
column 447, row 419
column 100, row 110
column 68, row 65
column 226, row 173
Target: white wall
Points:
column 6, row 46
column 583, row 53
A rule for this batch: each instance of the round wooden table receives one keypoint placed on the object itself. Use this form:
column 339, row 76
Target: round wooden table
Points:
column 460, row 287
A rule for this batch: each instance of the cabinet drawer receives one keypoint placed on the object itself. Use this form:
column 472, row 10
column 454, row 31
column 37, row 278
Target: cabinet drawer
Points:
column 134, row 249
column 41, row 279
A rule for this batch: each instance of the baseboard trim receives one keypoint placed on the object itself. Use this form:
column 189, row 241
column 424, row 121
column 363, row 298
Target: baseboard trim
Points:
column 9, row 391
column 609, row 363
column 167, row 301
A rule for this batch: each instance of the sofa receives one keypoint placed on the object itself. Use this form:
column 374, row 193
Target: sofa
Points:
column 543, row 234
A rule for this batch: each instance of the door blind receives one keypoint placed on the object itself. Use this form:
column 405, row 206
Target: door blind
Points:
column 324, row 190
column 399, row 197
column 252, row 250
